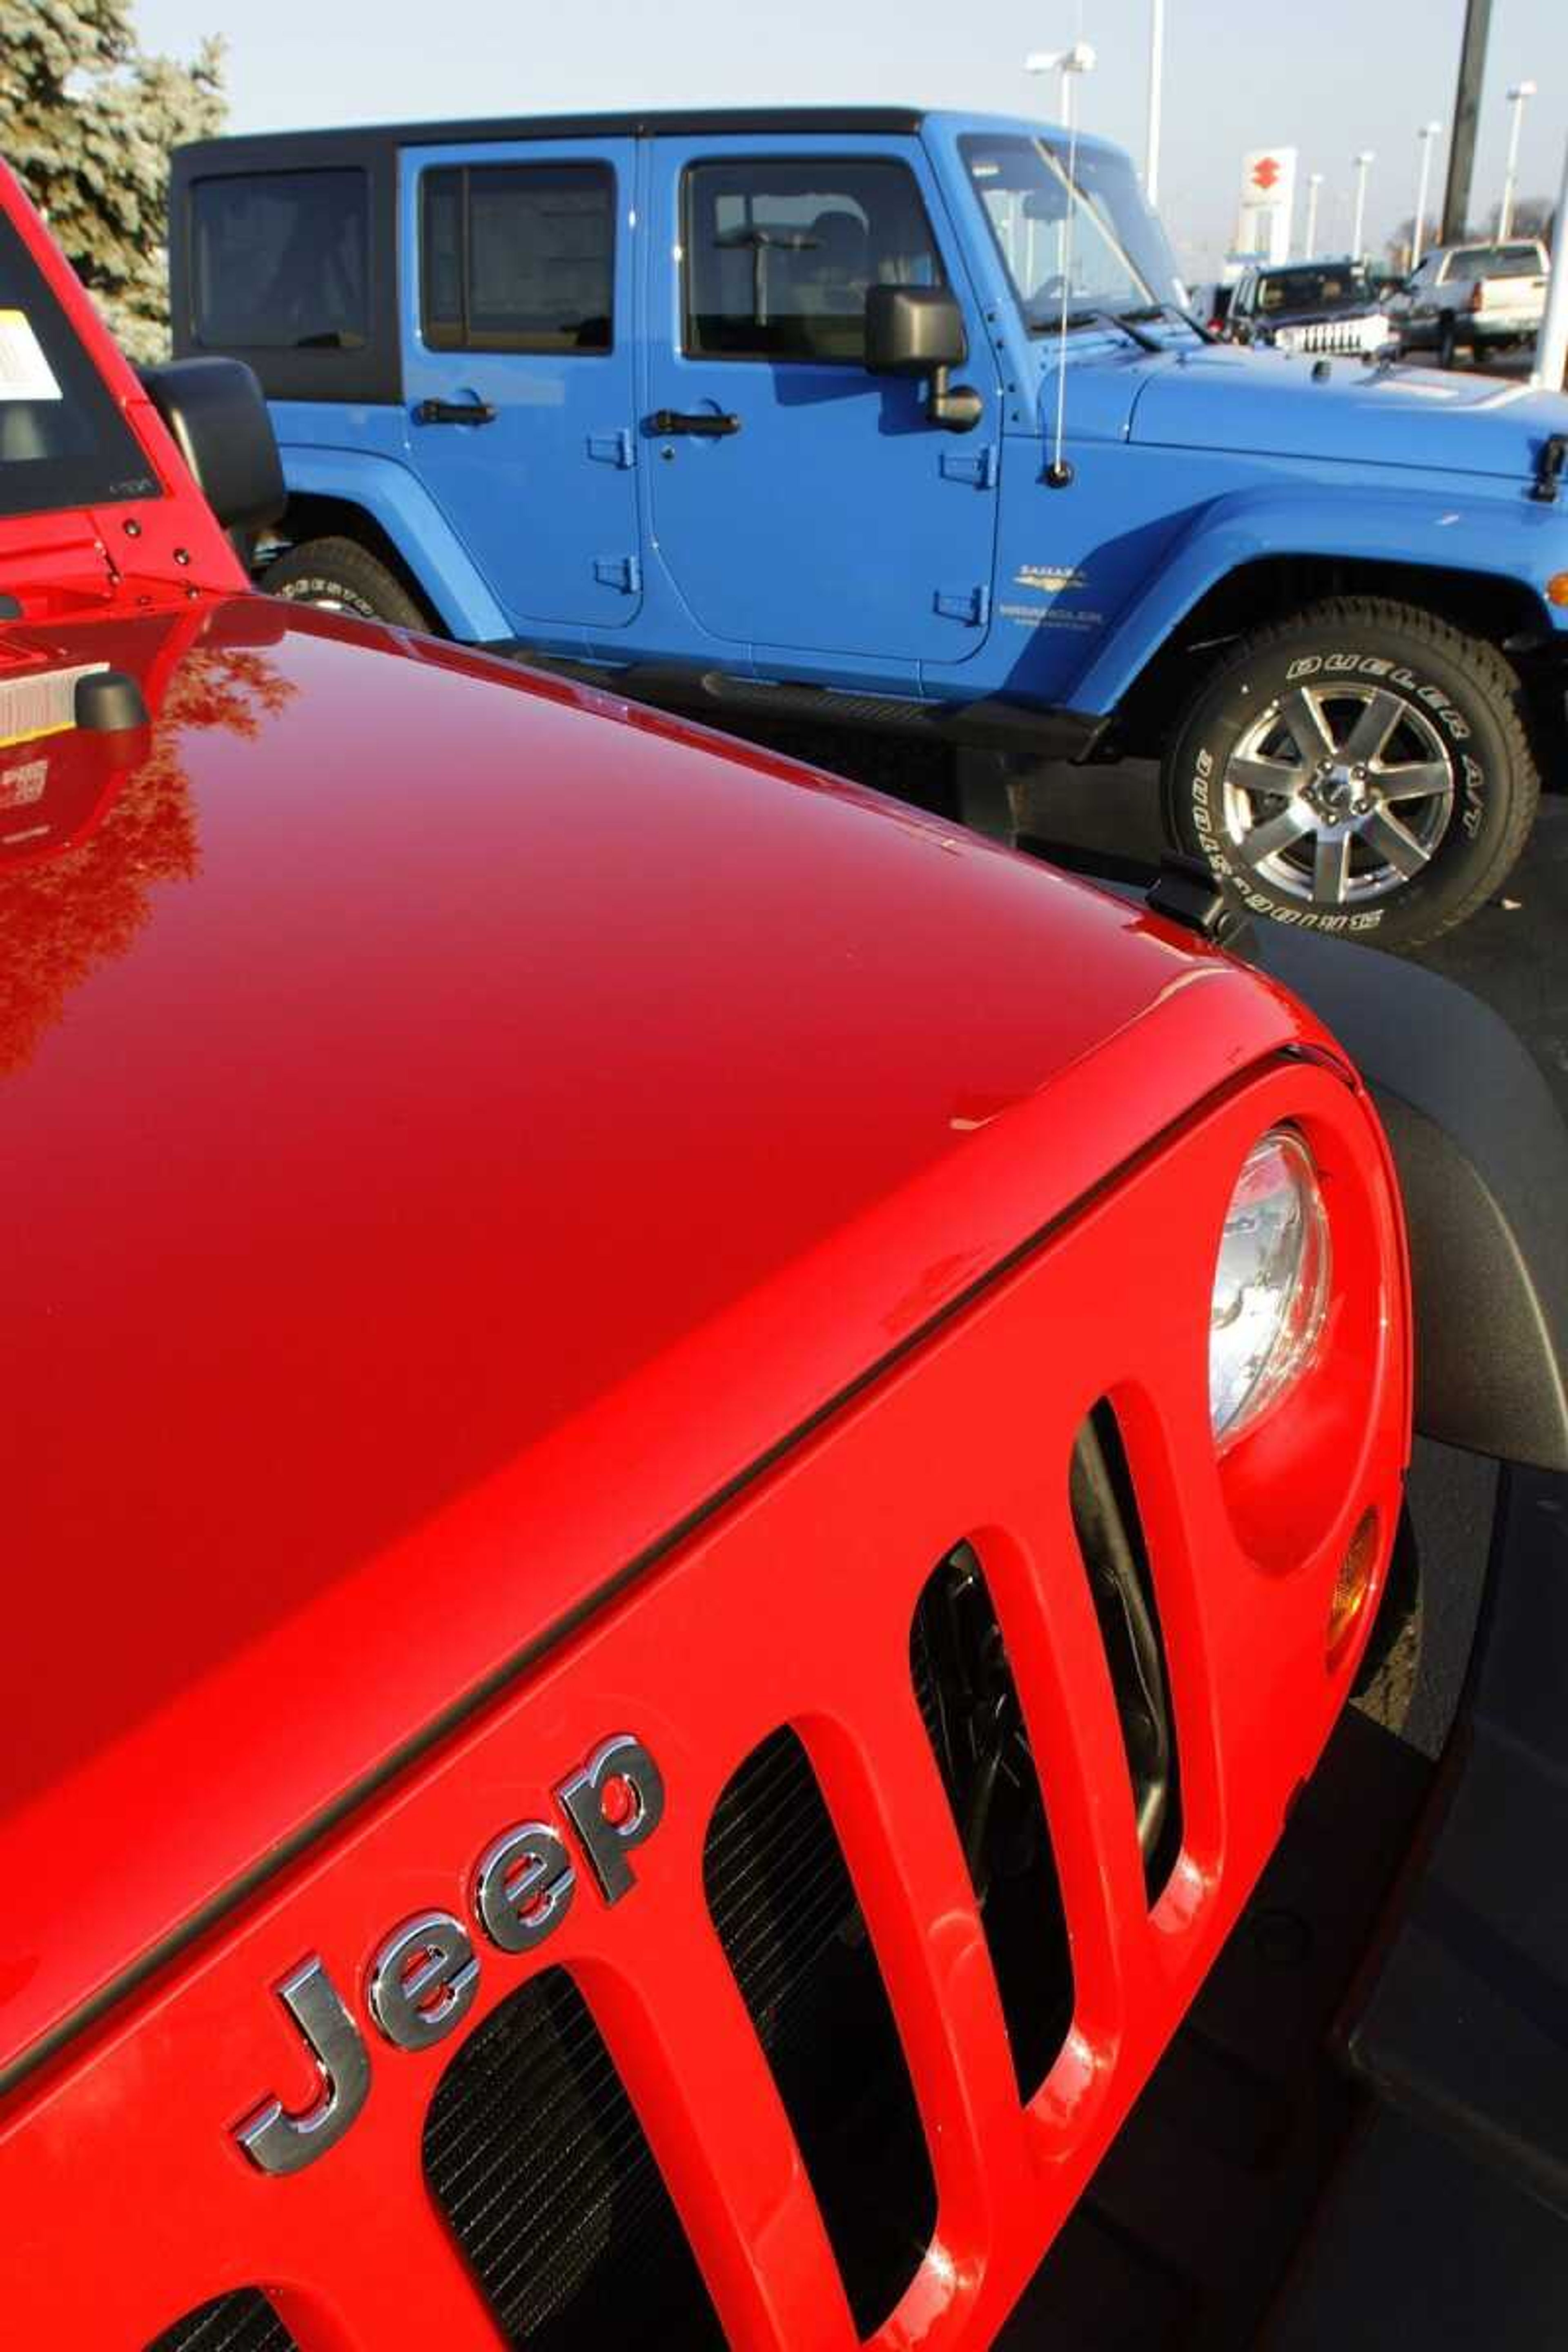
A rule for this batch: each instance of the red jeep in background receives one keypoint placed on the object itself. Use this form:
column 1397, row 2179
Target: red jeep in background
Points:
column 693, row 1469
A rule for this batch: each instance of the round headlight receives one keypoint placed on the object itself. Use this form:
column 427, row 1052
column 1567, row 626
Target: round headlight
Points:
column 1271, row 1284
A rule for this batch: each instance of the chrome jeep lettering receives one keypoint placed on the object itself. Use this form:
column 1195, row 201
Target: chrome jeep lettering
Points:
column 423, row 1980
column 276, row 2141
column 612, row 1803
column 523, row 1885
column 425, row 1976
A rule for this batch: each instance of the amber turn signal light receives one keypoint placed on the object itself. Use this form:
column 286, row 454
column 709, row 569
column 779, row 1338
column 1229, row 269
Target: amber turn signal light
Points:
column 1353, row 1582
column 1557, row 588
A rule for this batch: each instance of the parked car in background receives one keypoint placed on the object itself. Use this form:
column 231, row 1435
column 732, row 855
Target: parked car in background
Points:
column 1312, row 306
column 756, row 414
column 1479, row 299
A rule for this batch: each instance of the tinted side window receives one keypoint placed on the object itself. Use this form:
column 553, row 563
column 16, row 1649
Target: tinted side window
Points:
column 518, row 257
column 280, row 261
column 779, row 257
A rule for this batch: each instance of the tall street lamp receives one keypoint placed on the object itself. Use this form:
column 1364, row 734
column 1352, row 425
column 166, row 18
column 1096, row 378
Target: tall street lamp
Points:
column 1314, row 182
column 1427, row 133
column 1156, row 74
column 1068, row 64
column 1516, row 96
column 1363, row 163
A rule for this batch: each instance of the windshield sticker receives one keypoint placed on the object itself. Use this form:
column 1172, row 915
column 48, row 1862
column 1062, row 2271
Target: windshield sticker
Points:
column 44, row 704
column 24, row 372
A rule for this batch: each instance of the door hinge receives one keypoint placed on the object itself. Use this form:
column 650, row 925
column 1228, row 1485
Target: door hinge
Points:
column 621, row 572
column 969, row 604
column 976, row 466
column 612, row 448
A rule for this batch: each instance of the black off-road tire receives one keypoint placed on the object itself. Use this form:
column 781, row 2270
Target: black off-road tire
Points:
column 1465, row 698
column 1448, row 341
column 343, row 577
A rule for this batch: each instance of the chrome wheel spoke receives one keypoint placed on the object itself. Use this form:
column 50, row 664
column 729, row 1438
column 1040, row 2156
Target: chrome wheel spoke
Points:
column 1331, row 867
column 1281, row 832
column 1281, row 778
column 1372, row 731
column 1304, row 722
column 1393, row 842
column 1414, row 780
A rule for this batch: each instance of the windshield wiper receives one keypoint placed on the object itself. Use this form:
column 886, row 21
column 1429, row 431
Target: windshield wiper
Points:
column 1096, row 318
column 1168, row 310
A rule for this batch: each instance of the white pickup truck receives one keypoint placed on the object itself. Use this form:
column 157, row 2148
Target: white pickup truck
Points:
column 1470, row 297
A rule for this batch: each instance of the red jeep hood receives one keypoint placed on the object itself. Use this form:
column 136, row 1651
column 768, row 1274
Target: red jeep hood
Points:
column 449, row 1135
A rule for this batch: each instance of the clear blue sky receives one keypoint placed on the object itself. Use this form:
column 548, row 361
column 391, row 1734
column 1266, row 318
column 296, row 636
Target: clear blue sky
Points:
column 1327, row 76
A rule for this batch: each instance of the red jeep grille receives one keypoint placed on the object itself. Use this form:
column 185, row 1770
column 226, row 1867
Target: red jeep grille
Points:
column 244, row 2322
column 535, row 2156
column 793, row 2075
column 785, row 1912
column 963, row 1680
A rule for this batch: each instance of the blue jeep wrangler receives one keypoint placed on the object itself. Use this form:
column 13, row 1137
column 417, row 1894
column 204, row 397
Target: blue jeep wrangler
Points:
column 896, row 419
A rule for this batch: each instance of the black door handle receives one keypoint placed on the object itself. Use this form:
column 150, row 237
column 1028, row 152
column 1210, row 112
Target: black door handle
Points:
column 454, row 412
column 675, row 420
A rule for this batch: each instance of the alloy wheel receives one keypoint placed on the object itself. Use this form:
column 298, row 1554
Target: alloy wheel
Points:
column 1338, row 795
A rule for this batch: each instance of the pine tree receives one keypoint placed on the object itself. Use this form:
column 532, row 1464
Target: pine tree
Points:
column 86, row 120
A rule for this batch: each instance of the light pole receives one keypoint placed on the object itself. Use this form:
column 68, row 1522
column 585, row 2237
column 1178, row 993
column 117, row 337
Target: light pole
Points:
column 1156, row 74
column 1552, row 343
column 1516, row 96
column 1363, row 163
column 1425, row 136
column 1067, row 63
column 1314, row 182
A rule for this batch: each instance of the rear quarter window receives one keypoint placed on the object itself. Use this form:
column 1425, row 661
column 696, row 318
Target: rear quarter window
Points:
column 518, row 257
column 280, row 261
column 1498, row 261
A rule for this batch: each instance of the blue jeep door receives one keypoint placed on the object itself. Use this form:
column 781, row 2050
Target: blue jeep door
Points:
column 825, row 516
column 518, row 369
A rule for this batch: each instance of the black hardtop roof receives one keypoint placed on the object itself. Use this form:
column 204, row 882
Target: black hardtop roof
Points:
column 354, row 141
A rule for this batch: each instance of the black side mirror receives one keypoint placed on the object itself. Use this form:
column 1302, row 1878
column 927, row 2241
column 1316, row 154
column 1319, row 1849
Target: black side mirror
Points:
column 918, row 331
column 217, row 420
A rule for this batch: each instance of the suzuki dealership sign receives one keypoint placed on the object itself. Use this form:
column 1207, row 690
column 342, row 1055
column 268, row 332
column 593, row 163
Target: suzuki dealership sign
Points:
column 1267, row 200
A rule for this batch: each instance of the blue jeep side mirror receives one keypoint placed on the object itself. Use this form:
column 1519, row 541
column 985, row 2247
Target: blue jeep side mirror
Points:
column 918, row 331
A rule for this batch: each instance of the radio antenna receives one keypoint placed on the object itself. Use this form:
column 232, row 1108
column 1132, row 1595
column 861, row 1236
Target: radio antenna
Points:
column 1071, row 65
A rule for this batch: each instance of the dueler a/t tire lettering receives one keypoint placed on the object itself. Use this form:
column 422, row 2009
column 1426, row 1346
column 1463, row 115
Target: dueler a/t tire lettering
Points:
column 1451, row 699
column 343, row 577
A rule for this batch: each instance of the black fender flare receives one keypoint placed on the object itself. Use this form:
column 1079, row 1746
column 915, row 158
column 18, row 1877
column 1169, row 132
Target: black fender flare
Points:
column 1482, row 1153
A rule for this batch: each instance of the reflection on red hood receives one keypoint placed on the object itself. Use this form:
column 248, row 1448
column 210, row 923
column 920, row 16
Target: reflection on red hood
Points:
column 448, row 1135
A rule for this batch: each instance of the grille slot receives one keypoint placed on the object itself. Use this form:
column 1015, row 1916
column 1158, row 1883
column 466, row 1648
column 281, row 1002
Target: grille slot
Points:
column 965, row 1685
column 783, row 1905
column 241, row 2322
column 535, row 2156
column 1110, row 1538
